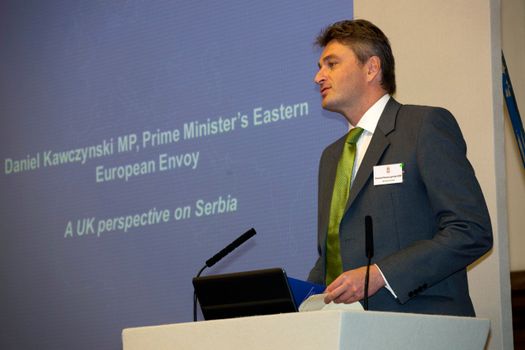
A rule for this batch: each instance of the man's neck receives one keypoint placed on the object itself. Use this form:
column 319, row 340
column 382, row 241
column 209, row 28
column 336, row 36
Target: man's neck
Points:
column 355, row 115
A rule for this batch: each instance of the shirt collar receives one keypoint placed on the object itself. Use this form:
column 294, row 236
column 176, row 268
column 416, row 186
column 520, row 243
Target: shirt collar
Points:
column 371, row 117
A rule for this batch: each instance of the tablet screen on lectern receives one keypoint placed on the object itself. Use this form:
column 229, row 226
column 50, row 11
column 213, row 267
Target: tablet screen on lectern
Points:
column 249, row 293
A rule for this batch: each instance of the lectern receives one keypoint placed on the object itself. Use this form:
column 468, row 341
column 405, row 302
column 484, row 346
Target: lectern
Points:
column 316, row 330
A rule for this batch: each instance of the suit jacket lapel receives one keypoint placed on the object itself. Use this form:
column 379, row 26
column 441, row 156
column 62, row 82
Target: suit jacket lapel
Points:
column 377, row 147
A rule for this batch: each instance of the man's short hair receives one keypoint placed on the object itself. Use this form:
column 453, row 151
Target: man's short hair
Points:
column 366, row 40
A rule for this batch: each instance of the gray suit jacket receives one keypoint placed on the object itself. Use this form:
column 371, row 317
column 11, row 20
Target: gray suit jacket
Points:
column 428, row 229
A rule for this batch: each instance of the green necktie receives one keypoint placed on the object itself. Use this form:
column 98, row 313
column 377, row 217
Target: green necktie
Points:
column 343, row 177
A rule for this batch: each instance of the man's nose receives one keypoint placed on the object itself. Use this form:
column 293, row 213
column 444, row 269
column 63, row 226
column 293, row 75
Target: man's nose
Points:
column 319, row 77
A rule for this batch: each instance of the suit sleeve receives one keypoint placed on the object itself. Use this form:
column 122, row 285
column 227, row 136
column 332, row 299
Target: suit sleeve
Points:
column 317, row 272
column 463, row 225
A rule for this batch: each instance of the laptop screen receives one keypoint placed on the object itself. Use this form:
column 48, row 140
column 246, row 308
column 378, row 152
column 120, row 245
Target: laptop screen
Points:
column 249, row 293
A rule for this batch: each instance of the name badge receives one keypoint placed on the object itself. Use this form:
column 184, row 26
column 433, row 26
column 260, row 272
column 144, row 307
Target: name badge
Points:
column 388, row 174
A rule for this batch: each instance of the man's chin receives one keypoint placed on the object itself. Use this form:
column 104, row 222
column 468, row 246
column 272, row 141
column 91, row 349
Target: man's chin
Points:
column 328, row 107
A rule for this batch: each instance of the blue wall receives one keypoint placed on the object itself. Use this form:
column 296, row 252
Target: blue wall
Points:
column 109, row 203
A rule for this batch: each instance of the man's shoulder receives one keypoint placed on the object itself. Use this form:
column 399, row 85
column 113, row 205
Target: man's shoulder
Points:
column 422, row 110
column 432, row 114
column 424, row 115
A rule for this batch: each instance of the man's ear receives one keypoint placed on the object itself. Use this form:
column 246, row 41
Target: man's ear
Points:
column 373, row 66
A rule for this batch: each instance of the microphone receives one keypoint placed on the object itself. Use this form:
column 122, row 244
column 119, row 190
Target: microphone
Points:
column 217, row 257
column 369, row 251
column 230, row 247
column 369, row 237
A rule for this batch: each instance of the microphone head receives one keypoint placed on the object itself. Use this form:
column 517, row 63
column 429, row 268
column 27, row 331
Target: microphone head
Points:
column 250, row 233
column 369, row 237
column 368, row 223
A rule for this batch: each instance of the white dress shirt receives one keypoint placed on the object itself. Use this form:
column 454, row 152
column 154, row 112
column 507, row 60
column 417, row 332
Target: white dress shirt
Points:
column 368, row 123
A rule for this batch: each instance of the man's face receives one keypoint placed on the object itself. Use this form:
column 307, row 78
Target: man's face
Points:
column 341, row 79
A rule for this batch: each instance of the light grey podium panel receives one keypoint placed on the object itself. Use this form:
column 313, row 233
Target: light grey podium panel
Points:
column 316, row 330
